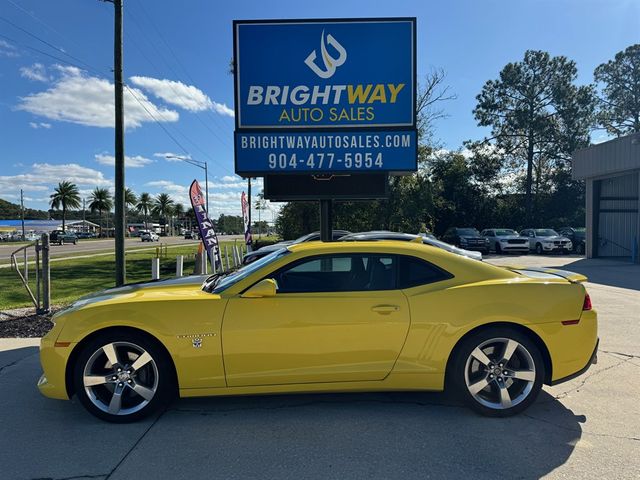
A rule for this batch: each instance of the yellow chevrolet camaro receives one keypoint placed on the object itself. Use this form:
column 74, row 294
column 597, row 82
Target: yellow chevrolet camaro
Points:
column 326, row 317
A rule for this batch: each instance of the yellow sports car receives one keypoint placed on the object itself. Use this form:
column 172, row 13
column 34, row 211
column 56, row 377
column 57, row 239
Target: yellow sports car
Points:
column 326, row 317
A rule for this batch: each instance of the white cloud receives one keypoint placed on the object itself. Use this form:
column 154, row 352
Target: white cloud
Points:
column 168, row 156
column 133, row 162
column 8, row 50
column 37, row 125
column 181, row 95
column 77, row 97
column 37, row 72
column 230, row 178
column 43, row 177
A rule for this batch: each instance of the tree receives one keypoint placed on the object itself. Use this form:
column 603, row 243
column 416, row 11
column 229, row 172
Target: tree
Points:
column 100, row 201
column 162, row 206
column 66, row 195
column 144, row 206
column 130, row 199
column 536, row 114
column 260, row 205
column 178, row 211
column 619, row 102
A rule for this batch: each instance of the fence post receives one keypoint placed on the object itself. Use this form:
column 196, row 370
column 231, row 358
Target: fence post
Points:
column 46, row 275
column 179, row 265
column 155, row 268
column 226, row 257
column 37, row 274
column 26, row 265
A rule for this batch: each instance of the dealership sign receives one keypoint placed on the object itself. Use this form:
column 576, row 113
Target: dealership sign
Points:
column 325, row 95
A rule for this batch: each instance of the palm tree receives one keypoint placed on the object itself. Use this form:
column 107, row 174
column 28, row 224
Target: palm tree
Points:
column 130, row 201
column 162, row 206
column 100, row 201
column 178, row 211
column 261, row 204
column 67, row 195
column 144, row 206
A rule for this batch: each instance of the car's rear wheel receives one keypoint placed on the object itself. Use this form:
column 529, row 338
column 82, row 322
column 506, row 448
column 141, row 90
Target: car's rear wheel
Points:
column 123, row 377
column 498, row 372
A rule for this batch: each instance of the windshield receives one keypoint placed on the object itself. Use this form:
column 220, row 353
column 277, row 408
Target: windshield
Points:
column 505, row 232
column 224, row 282
column 545, row 232
column 468, row 231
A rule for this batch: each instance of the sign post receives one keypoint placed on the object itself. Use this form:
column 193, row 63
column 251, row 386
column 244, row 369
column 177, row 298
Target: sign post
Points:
column 325, row 99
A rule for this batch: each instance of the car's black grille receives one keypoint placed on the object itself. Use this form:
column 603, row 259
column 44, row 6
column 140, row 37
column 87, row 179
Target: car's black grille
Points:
column 518, row 241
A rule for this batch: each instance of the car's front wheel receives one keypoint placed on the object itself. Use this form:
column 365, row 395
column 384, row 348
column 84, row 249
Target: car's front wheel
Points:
column 539, row 249
column 123, row 377
column 498, row 372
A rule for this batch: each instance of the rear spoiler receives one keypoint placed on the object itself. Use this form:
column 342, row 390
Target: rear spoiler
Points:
column 567, row 275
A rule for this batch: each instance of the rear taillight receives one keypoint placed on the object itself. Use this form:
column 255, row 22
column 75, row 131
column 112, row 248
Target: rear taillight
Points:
column 587, row 302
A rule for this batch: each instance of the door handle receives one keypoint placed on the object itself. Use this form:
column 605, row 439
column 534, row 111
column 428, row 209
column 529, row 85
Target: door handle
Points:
column 385, row 309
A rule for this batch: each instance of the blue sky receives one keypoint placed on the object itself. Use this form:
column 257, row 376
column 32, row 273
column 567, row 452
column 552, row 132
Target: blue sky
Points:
column 55, row 119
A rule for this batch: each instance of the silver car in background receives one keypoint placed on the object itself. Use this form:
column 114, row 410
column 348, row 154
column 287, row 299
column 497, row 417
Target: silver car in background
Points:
column 505, row 240
column 546, row 240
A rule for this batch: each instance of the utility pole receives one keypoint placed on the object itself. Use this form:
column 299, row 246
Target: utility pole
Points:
column 84, row 216
column 22, row 213
column 119, row 219
column 249, row 200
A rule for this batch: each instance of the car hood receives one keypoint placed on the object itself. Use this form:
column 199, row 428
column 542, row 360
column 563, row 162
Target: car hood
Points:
column 192, row 282
column 553, row 238
column 511, row 237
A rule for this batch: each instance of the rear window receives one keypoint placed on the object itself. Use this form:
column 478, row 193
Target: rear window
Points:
column 415, row 272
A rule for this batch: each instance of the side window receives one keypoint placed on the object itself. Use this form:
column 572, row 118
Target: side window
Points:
column 338, row 273
column 414, row 272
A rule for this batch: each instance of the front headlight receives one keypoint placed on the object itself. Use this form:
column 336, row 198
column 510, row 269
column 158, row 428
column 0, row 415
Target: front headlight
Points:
column 486, row 240
column 463, row 240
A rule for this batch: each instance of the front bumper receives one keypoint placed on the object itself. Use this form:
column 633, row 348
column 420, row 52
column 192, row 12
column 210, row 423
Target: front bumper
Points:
column 592, row 361
column 53, row 359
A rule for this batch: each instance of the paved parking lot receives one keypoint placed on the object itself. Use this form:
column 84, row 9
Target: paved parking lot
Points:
column 586, row 428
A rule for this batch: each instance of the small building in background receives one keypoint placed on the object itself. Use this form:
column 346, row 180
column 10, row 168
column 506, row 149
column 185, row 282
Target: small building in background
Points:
column 611, row 171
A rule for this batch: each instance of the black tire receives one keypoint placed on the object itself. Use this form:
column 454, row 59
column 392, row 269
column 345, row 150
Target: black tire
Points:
column 457, row 377
column 498, row 248
column 163, row 376
column 539, row 249
column 580, row 249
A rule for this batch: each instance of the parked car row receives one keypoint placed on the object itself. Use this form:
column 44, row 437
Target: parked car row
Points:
column 506, row 240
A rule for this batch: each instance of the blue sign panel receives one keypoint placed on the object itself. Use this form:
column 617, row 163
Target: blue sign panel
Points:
column 319, row 74
column 265, row 153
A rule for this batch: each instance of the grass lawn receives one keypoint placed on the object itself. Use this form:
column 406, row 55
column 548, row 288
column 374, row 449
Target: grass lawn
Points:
column 71, row 279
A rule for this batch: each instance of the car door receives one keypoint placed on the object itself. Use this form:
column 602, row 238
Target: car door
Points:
column 335, row 318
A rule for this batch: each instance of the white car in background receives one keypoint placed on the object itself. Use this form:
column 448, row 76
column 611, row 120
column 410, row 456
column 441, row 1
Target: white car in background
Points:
column 505, row 240
column 546, row 240
column 148, row 236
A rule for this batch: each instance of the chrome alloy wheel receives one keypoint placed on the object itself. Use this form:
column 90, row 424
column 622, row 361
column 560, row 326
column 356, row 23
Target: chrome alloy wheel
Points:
column 500, row 373
column 120, row 378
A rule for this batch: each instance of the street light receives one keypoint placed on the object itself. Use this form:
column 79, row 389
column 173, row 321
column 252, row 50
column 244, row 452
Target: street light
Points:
column 199, row 164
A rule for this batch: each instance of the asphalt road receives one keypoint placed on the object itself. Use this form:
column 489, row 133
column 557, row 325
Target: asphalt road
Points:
column 588, row 428
column 96, row 246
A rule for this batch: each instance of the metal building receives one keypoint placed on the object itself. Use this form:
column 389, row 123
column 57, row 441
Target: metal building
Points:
column 612, row 174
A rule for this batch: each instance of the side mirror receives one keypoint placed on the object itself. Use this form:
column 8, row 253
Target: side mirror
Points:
column 264, row 288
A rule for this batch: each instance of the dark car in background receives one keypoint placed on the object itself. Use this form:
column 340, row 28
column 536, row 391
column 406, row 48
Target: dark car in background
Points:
column 426, row 239
column 191, row 235
column 577, row 235
column 266, row 250
column 467, row 238
column 59, row 237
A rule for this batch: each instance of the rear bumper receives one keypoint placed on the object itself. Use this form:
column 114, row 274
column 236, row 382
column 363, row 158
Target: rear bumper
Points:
column 592, row 361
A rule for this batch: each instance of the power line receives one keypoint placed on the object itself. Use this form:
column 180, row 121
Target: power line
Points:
column 155, row 66
column 176, row 58
column 58, row 49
